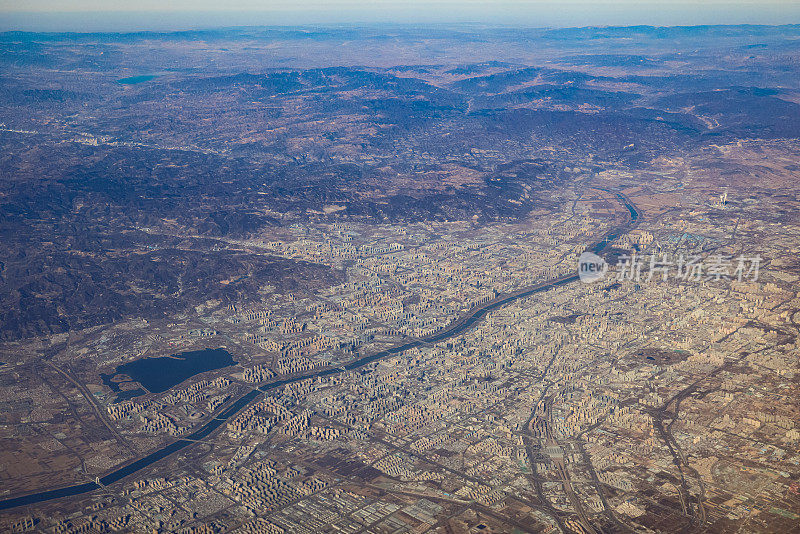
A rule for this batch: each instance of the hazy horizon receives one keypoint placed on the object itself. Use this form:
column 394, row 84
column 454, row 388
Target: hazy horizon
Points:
column 45, row 15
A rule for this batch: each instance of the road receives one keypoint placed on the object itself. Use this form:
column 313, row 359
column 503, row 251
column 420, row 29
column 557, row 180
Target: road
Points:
column 455, row 328
column 98, row 410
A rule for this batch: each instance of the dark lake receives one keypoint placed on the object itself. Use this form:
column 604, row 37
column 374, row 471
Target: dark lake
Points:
column 132, row 80
column 161, row 374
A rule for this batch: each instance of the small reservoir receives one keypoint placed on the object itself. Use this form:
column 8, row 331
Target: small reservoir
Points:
column 160, row 374
column 133, row 80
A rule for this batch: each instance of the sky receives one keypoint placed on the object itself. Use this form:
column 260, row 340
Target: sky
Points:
column 121, row 15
